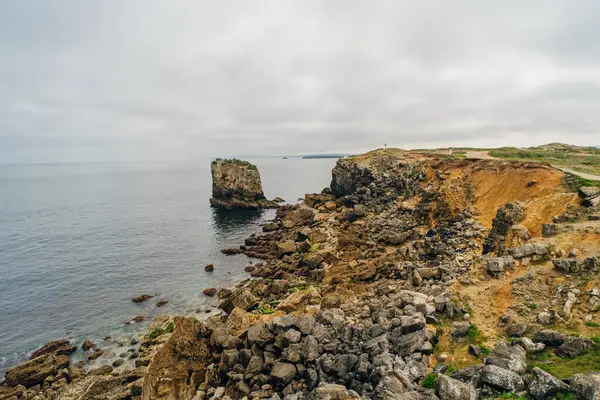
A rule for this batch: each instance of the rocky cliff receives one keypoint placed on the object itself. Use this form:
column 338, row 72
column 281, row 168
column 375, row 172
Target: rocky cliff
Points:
column 237, row 184
column 414, row 276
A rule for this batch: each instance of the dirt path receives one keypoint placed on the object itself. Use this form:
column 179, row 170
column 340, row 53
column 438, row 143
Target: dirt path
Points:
column 485, row 155
column 482, row 155
column 581, row 174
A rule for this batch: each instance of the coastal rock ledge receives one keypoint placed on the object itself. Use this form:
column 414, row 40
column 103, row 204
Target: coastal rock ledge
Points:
column 236, row 184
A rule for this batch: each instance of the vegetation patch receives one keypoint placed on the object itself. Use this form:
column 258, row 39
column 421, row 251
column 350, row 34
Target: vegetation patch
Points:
column 563, row 368
column 236, row 161
column 429, row 381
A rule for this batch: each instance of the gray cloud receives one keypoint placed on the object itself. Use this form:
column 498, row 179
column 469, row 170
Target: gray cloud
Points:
column 114, row 80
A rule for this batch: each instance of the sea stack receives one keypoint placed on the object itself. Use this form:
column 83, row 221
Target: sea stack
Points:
column 236, row 184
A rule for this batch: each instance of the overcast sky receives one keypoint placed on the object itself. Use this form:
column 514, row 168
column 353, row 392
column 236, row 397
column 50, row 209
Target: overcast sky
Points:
column 148, row 80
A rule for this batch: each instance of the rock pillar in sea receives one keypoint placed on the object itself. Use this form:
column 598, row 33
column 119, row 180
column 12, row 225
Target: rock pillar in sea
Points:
column 236, row 184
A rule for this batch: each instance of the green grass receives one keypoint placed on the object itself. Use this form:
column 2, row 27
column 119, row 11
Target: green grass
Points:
column 574, row 182
column 563, row 368
column 591, row 324
column 484, row 350
column 511, row 395
column 236, row 161
column 474, row 334
column 160, row 331
column 429, row 381
column 533, row 306
column 577, row 158
column 596, row 339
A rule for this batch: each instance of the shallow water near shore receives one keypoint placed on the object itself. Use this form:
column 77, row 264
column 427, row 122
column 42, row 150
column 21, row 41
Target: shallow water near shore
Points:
column 77, row 241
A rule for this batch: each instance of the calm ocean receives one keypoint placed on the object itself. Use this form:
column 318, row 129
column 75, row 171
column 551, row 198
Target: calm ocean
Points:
column 77, row 241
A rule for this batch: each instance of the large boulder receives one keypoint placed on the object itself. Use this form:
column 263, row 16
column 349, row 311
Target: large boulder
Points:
column 33, row 372
column 502, row 379
column 236, row 184
column 586, row 386
column 544, row 386
column 452, row 389
column 512, row 358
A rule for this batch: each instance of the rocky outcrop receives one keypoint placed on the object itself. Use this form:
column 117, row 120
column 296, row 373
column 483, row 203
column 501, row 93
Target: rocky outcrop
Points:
column 180, row 364
column 236, row 184
column 507, row 216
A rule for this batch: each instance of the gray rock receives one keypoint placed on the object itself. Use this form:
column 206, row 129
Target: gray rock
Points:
column 529, row 345
column 311, row 349
column 260, row 334
column 589, row 191
column 283, row 372
column 544, row 318
column 470, row 374
column 512, row 358
column 544, row 386
column 573, row 348
column 412, row 323
column 410, row 343
column 392, row 384
column 451, row 389
column 332, row 391
column 516, row 330
column 459, row 329
column 549, row 337
column 587, row 386
column 501, row 378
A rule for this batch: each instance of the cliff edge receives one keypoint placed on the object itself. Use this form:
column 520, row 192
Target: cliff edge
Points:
column 236, row 184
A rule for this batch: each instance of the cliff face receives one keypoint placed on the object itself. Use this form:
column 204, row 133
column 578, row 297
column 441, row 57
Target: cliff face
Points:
column 236, row 184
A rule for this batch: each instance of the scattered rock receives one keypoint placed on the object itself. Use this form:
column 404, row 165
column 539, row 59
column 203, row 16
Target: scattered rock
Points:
column 141, row 298
column 210, row 292
column 209, row 268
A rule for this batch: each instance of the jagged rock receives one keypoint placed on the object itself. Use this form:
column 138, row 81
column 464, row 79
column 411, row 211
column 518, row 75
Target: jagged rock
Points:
column 260, row 334
column 512, row 358
column 332, row 391
column 544, row 386
column 587, row 386
column 242, row 298
column 470, row 374
column 452, row 389
column 287, row 247
column 34, row 371
column 501, row 378
column 508, row 215
column 516, row 330
column 210, row 292
column 283, row 372
column 549, row 337
column 573, row 347
column 392, row 385
column 58, row 347
column 236, row 184
column 495, row 266
column 179, row 366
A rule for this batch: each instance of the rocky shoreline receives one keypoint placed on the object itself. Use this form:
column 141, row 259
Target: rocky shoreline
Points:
column 413, row 276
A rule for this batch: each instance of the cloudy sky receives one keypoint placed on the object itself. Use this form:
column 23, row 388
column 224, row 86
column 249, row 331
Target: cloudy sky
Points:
column 146, row 80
